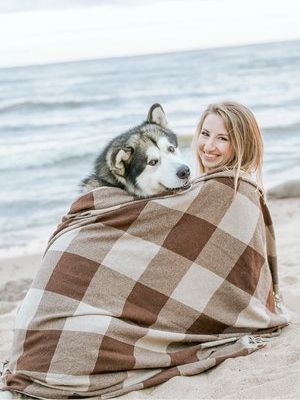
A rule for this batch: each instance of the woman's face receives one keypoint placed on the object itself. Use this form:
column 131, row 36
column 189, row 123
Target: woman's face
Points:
column 213, row 144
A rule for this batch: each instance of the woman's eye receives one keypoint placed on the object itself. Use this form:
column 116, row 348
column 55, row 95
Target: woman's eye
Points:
column 203, row 133
column 224, row 139
column 171, row 149
column 152, row 162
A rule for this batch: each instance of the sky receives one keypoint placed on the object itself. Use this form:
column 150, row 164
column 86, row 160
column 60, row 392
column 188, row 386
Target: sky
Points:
column 47, row 31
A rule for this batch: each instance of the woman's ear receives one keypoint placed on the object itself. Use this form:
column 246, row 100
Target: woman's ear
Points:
column 156, row 115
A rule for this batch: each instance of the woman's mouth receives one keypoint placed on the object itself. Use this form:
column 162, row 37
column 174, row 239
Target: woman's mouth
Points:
column 210, row 157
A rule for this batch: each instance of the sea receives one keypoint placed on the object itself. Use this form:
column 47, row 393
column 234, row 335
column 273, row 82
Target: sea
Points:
column 56, row 118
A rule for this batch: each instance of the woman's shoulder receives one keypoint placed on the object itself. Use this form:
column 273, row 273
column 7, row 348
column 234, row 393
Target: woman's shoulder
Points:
column 225, row 183
column 228, row 177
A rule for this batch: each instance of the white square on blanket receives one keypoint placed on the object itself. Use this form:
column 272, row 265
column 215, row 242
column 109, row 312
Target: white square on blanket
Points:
column 255, row 316
column 197, row 287
column 88, row 319
column 180, row 201
column 240, row 219
column 158, row 340
column 79, row 382
column 130, row 256
column 62, row 242
column 28, row 308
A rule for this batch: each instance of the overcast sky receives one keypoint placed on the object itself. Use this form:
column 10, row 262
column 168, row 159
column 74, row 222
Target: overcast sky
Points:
column 43, row 31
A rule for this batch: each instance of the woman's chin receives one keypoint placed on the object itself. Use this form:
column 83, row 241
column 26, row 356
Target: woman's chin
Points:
column 212, row 168
column 208, row 167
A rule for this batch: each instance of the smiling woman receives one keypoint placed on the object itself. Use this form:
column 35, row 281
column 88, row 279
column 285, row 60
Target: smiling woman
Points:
column 228, row 136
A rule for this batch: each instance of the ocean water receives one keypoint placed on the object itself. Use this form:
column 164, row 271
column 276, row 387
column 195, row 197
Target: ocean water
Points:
column 55, row 119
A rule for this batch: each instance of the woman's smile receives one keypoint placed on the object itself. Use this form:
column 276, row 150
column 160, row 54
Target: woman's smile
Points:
column 210, row 157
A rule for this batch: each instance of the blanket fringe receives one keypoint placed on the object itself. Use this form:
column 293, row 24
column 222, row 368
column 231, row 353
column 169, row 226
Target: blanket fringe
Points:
column 252, row 341
column 218, row 342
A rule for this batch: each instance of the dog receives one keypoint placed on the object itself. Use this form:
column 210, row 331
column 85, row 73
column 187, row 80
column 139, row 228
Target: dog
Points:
column 144, row 161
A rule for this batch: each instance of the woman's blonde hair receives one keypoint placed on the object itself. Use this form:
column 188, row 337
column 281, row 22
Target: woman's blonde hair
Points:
column 244, row 135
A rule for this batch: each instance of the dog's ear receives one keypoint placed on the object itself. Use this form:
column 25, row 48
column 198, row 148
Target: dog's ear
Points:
column 119, row 158
column 157, row 115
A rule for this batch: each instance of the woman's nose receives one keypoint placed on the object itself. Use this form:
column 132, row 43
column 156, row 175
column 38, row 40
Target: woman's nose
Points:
column 210, row 144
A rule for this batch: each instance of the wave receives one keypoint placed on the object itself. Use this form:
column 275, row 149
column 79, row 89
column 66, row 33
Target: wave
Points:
column 15, row 128
column 274, row 104
column 44, row 105
column 285, row 128
column 42, row 160
column 36, row 106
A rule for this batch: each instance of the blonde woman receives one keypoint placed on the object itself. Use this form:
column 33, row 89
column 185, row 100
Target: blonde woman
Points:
column 228, row 136
column 228, row 141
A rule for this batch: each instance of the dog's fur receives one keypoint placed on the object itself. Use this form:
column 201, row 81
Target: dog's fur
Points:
column 144, row 161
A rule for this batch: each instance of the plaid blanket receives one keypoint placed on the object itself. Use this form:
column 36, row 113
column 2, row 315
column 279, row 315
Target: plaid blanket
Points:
column 132, row 292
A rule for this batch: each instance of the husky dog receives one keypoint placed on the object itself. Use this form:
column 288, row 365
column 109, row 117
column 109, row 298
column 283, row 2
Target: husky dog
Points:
column 144, row 161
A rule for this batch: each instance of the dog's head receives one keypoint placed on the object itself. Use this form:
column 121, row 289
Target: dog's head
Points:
column 146, row 160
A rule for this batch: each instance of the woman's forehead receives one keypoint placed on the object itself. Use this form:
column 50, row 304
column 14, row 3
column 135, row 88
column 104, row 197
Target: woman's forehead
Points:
column 214, row 123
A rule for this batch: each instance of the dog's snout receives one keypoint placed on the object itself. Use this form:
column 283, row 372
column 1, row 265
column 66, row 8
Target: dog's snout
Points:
column 183, row 172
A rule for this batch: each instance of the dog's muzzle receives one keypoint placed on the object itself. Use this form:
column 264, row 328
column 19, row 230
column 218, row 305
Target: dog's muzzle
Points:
column 183, row 172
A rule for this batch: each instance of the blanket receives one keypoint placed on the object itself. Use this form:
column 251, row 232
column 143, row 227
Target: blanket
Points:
column 133, row 292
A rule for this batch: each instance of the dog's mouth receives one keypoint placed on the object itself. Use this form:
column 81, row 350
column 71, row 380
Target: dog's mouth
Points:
column 178, row 188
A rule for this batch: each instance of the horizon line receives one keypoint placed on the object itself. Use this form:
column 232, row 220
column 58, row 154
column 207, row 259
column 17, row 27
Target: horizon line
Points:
column 79, row 60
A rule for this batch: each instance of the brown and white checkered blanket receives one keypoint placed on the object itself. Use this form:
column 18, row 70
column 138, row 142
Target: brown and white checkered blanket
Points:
column 132, row 292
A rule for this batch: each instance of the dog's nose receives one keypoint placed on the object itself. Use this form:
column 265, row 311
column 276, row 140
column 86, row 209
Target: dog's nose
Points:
column 183, row 172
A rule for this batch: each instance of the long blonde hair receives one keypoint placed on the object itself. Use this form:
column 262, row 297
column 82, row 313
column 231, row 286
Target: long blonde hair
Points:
column 244, row 136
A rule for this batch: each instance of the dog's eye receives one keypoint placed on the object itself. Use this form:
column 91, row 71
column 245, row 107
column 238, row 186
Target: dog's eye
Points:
column 171, row 149
column 153, row 162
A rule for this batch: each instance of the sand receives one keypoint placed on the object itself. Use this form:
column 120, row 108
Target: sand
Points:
column 270, row 373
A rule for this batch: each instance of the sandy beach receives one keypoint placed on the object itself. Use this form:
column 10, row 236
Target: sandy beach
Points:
column 270, row 373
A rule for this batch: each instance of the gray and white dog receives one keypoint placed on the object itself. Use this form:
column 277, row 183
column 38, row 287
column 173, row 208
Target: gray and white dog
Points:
column 144, row 161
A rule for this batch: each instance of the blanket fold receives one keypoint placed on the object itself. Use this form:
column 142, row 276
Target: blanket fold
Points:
column 132, row 292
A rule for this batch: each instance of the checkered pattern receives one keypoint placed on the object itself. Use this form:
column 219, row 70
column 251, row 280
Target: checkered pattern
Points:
column 133, row 292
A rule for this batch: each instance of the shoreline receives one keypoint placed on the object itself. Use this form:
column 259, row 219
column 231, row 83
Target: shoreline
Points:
column 271, row 372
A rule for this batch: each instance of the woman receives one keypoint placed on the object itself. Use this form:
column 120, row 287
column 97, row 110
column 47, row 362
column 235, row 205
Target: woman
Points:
column 228, row 136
